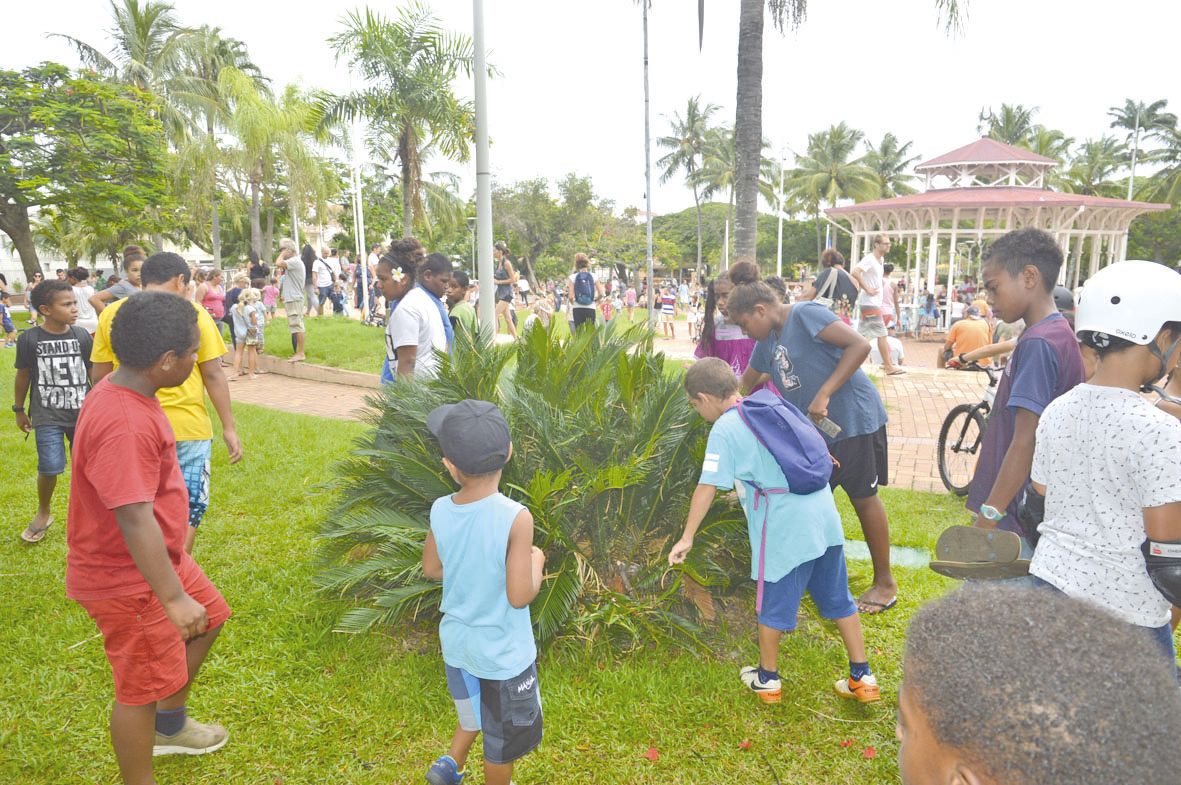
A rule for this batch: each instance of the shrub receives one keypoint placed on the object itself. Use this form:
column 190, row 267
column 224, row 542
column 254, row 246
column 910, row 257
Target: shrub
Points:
column 607, row 452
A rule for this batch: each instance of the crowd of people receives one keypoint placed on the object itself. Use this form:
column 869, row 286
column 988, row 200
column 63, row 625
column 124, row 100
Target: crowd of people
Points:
column 1064, row 670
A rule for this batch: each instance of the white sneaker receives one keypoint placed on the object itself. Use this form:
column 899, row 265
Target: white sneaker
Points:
column 768, row 691
column 194, row 738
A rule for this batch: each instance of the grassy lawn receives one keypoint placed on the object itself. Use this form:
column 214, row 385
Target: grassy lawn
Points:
column 307, row 705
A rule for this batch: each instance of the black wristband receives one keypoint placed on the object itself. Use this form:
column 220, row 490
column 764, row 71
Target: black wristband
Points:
column 18, row 410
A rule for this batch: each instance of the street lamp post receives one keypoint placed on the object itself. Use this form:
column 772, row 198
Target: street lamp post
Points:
column 779, row 242
column 483, row 176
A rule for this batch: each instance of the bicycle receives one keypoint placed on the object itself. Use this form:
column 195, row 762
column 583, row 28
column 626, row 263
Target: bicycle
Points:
column 962, row 433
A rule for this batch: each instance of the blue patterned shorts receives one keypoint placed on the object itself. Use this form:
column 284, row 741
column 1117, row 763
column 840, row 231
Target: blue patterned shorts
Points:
column 507, row 712
column 193, row 457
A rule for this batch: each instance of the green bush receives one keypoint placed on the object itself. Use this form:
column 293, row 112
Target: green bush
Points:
column 607, row 452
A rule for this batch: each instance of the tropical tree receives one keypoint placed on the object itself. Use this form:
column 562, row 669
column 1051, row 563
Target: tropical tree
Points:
column 687, row 146
column 606, row 473
column 1012, row 124
column 1095, row 164
column 749, row 104
column 1050, row 142
column 889, row 162
column 1136, row 117
column 409, row 65
column 146, row 51
column 1165, row 184
column 828, row 173
column 718, row 172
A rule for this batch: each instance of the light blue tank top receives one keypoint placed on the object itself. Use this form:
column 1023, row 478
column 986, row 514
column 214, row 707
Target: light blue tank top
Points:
column 480, row 632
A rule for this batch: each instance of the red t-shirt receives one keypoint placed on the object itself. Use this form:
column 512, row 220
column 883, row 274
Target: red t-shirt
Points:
column 124, row 453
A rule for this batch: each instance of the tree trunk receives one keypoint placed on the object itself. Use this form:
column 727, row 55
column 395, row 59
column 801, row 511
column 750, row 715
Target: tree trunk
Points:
column 697, row 204
column 14, row 222
column 819, row 241
column 255, row 221
column 268, row 237
column 408, row 156
column 748, row 129
column 215, row 219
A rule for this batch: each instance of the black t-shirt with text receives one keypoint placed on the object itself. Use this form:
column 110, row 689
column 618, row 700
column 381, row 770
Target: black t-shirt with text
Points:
column 58, row 366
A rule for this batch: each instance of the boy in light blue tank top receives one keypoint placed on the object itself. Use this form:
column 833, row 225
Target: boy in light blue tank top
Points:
column 480, row 545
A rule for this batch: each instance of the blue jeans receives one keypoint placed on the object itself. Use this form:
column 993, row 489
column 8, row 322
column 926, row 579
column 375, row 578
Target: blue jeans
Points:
column 51, row 448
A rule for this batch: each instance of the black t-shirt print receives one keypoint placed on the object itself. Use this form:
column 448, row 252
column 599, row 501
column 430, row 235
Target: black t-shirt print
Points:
column 58, row 378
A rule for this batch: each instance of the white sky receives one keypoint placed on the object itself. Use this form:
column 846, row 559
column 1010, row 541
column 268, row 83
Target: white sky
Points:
column 570, row 97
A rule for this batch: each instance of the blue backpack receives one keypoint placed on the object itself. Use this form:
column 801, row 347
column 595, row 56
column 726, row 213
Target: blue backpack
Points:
column 584, row 288
column 791, row 438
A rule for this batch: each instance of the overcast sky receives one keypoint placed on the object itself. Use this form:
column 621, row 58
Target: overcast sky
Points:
column 570, row 95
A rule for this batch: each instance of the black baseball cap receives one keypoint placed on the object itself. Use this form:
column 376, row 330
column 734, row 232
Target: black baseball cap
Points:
column 473, row 434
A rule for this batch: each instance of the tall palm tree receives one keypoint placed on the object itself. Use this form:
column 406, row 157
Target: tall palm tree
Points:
column 890, row 162
column 409, row 65
column 749, row 104
column 1013, row 124
column 1165, row 184
column 718, row 170
column 828, row 173
column 146, row 49
column 1136, row 117
column 687, row 145
column 1095, row 164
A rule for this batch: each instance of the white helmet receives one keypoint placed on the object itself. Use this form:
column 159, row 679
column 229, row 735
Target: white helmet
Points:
column 1130, row 300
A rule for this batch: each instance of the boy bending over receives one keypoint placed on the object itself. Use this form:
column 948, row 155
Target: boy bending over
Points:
column 126, row 564
column 802, row 548
column 481, row 545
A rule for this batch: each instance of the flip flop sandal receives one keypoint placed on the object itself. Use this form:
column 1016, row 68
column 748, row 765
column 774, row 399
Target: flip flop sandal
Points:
column 32, row 535
column 974, row 544
column 981, row 571
column 882, row 607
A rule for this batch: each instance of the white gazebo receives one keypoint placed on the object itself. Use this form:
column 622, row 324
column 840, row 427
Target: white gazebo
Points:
column 981, row 191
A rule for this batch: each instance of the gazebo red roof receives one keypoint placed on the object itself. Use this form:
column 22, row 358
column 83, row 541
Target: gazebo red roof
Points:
column 986, row 151
column 990, row 197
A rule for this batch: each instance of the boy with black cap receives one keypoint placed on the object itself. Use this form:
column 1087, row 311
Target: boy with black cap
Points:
column 480, row 544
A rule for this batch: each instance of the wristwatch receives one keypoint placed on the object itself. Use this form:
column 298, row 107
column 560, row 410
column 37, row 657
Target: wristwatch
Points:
column 962, row 360
column 991, row 513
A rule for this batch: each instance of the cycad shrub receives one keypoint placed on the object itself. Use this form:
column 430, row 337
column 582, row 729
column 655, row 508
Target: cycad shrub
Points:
column 606, row 454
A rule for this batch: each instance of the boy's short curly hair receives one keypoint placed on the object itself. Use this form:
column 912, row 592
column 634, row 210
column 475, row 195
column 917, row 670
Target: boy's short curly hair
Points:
column 151, row 324
column 1030, row 686
column 711, row 376
column 1018, row 249
column 44, row 293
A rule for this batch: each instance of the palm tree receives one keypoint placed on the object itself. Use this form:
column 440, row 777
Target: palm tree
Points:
column 718, row 170
column 687, row 144
column 1136, row 117
column 1013, row 124
column 826, row 173
column 1050, row 142
column 889, row 163
column 409, row 64
column 1165, row 184
column 1094, row 165
column 749, row 104
column 147, row 43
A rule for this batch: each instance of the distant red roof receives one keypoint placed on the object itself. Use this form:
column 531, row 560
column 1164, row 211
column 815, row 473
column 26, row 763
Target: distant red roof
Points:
column 986, row 151
column 991, row 197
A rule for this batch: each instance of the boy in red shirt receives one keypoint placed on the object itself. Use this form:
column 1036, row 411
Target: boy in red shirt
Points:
column 128, row 517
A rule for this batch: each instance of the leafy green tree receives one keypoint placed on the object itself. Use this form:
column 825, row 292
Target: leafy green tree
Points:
column 1138, row 118
column 826, row 174
column 687, row 148
column 1156, row 236
column 90, row 148
column 890, row 161
column 1094, row 167
column 1012, row 124
column 606, row 473
column 409, row 64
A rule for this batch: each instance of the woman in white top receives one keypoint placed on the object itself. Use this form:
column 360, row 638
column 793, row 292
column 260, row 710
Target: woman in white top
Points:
column 1109, row 463
column 79, row 278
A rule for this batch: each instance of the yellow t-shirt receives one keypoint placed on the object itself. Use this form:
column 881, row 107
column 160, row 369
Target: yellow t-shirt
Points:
column 184, row 405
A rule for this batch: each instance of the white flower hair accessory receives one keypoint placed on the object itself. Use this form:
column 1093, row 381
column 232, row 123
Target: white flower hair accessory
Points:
column 397, row 274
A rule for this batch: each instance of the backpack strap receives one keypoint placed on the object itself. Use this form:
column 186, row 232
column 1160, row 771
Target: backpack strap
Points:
column 761, row 494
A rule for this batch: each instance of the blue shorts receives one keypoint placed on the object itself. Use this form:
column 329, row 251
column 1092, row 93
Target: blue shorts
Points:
column 51, row 448
column 193, row 456
column 507, row 712
column 824, row 578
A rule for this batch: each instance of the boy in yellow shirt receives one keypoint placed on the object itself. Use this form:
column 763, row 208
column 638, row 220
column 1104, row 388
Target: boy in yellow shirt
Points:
column 184, row 405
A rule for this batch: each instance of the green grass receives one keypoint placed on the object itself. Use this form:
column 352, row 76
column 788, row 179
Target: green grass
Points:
column 307, row 705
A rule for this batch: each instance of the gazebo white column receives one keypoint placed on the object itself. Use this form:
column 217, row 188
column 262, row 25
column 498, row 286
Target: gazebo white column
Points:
column 933, row 255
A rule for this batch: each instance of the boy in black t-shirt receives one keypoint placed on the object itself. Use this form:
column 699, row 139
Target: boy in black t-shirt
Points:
column 53, row 362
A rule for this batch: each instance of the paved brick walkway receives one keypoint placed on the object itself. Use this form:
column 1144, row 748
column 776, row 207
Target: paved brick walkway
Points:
column 301, row 396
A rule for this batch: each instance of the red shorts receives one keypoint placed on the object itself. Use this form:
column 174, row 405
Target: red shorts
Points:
column 146, row 652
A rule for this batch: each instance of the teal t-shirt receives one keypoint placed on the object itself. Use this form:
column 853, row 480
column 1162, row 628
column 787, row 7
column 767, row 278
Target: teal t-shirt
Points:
column 799, row 528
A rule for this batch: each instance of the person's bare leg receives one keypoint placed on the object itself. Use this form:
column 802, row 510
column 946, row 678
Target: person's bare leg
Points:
column 887, row 360
column 1174, row 617
column 190, row 539
column 850, row 630
column 461, row 745
column 498, row 773
column 195, row 652
column 252, row 360
column 299, row 355
column 238, row 360
column 133, row 734
column 769, row 639
column 45, row 486
column 876, row 528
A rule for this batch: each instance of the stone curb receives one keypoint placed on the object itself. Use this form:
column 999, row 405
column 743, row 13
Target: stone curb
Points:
column 318, row 373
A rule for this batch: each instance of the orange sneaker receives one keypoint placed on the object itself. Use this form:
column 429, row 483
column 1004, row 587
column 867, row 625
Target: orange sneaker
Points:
column 864, row 690
column 768, row 691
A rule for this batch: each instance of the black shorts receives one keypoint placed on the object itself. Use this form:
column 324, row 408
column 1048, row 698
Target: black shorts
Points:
column 864, row 464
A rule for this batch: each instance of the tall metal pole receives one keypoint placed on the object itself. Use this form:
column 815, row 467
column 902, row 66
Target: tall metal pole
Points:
column 648, row 176
column 1135, row 149
column 359, row 224
column 483, row 177
column 779, row 242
